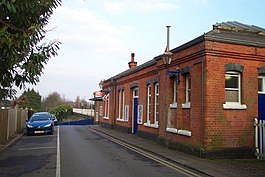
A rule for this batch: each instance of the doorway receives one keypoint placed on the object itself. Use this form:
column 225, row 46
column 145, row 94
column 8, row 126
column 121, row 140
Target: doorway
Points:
column 135, row 111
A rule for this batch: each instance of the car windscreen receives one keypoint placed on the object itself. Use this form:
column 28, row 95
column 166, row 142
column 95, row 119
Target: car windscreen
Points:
column 39, row 117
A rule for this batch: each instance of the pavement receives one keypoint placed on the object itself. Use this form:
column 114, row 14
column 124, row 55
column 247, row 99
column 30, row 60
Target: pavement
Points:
column 211, row 167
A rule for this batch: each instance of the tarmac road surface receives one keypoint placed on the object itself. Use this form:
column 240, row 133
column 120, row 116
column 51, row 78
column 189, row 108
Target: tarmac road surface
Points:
column 80, row 151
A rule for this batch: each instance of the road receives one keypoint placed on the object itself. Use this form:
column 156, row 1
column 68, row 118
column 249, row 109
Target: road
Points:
column 80, row 151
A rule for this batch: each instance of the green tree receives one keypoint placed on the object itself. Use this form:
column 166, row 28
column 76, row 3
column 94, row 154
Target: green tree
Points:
column 62, row 111
column 52, row 100
column 32, row 100
column 23, row 53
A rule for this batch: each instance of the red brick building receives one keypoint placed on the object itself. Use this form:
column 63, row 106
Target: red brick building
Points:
column 205, row 104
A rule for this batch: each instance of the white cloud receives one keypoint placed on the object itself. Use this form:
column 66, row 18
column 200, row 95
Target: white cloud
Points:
column 114, row 7
column 139, row 5
column 204, row 2
column 84, row 30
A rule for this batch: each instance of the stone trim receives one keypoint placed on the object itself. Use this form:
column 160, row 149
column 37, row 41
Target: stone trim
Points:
column 134, row 85
column 234, row 67
column 148, row 82
column 261, row 70
column 186, row 70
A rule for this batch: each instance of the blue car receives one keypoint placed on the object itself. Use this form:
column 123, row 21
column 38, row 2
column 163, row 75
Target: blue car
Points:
column 40, row 123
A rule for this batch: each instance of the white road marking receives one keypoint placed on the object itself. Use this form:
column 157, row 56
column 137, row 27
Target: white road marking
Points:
column 58, row 163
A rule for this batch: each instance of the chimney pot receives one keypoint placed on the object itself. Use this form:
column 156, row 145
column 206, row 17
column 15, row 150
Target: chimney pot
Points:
column 132, row 63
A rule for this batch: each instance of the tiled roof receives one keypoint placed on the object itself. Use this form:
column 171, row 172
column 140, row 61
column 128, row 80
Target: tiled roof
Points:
column 239, row 27
column 237, row 33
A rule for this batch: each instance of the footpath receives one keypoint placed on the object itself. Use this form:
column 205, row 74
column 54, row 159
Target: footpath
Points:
column 211, row 167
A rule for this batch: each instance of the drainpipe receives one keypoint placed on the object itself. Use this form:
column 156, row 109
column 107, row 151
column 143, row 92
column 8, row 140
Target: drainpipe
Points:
column 202, row 107
column 114, row 117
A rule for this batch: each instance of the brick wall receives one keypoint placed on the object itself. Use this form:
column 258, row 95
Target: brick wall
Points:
column 212, row 127
column 230, row 128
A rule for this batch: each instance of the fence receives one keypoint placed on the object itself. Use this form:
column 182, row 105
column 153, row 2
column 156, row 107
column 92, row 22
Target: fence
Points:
column 12, row 121
column 89, row 121
column 88, row 112
column 260, row 138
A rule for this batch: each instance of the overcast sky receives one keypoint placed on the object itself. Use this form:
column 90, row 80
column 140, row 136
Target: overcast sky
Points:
column 98, row 36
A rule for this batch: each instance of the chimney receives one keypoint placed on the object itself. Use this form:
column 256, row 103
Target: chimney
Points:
column 132, row 63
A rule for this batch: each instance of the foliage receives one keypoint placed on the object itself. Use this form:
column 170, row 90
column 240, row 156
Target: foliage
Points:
column 61, row 111
column 23, row 53
column 52, row 100
column 32, row 100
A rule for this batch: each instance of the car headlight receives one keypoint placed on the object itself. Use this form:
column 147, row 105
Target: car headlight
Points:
column 48, row 125
column 30, row 126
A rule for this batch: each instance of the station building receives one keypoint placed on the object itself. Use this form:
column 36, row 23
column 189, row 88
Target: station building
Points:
column 203, row 102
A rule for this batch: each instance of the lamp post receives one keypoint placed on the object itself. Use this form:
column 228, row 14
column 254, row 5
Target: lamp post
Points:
column 167, row 58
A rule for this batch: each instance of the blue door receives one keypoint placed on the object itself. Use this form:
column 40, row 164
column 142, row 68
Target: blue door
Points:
column 261, row 106
column 261, row 98
column 135, row 115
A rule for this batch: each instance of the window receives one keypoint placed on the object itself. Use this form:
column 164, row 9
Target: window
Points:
column 140, row 114
column 232, row 87
column 106, row 106
column 126, row 113
column 100, row 110
column 119, row 105
column 261, row 84
column 175, row 94
column 123, row 106
column 187, row 91
column 188, row 83
column 135, row 93
column 156, row 104
column 175, row 91
column 171, row 120
column 148, row 104
column 233, row 91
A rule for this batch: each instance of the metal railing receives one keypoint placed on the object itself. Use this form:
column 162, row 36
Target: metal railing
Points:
column 260, row 138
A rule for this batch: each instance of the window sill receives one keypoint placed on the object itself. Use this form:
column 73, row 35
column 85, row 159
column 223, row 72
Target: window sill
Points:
column 231, row 105
column 106, row 118
column 120, row 120
column 172, row 130
column 186, row 105
column 173, row 106
column 147, row 124
column 184, row 132
column 154, row 125
column 180, row 132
